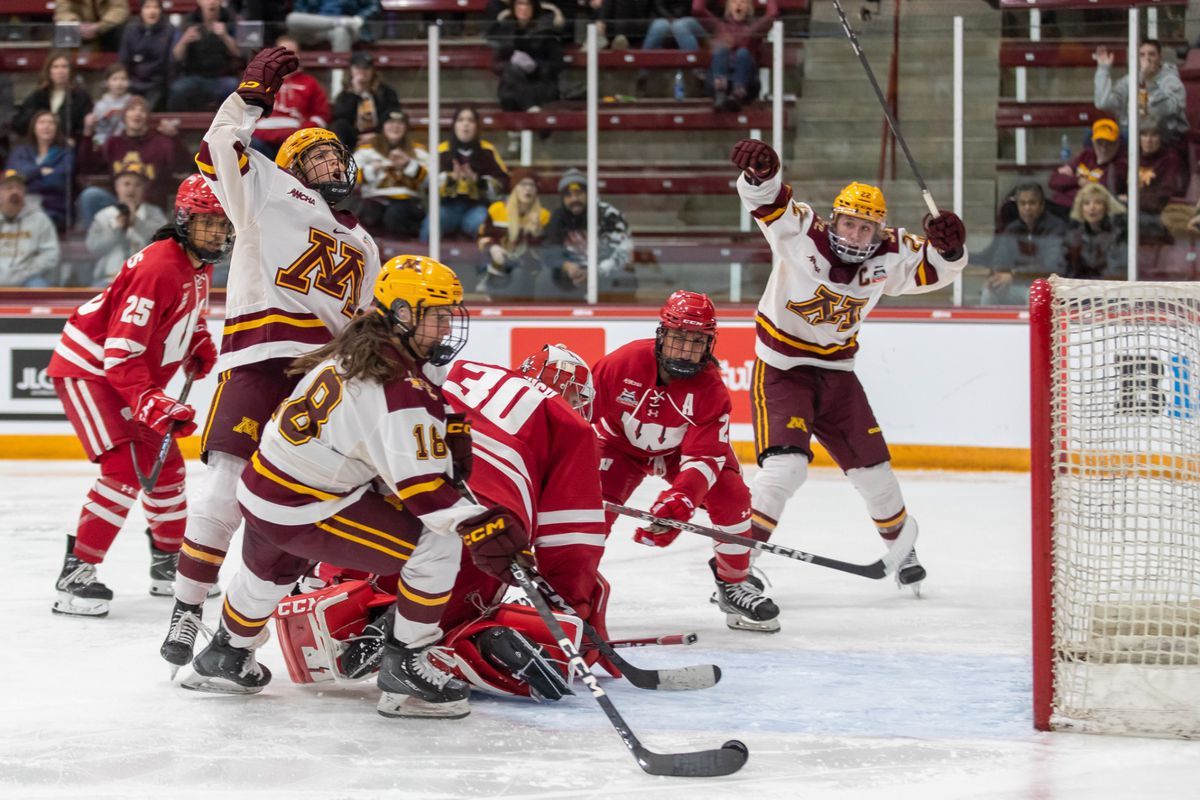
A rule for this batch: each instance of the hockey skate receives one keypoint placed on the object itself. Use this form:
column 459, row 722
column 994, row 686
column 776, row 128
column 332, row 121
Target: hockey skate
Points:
column 746, row 607
column 181, row 638
column 508, row 650
column 364, row 652
column 222, row 668
column 164, row 566
column 910, row 573
column 414, row 685
column 80, row 593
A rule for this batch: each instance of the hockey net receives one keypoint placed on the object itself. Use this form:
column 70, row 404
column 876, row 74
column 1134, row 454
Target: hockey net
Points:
column 1116, row 506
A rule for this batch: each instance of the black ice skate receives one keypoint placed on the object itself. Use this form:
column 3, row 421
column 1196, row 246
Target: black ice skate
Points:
column 414, row 685
column 746, row 607
column 511, row 652
column 80, row 594
column 222, row 668
column 163, row 566
column 181, row 638
column 364, row 652
column 910, row 573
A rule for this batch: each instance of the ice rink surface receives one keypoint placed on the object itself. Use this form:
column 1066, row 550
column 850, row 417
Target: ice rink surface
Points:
column 866, row 693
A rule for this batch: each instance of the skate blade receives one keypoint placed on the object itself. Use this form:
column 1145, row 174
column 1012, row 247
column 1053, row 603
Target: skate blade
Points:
column 201, row 683
column 399, row 706
column 71, row 606
column 162, row 588
column 737, row 622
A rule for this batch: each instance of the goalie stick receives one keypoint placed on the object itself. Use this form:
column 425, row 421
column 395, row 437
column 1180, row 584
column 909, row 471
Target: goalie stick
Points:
column 726, row 760
column 879, row 569
column 149, row 481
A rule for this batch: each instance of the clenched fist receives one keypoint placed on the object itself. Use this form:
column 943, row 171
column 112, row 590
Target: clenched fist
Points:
column 671, row 504
column 755, row 159
column 264, row 75
column 946, row 233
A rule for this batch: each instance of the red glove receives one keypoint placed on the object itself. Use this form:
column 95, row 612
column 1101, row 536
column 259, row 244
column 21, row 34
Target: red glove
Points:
column 264, row 75
column 494, row 538
column 163, row 415
column 458, row 442
column 671, row 504
column 202, row 354
column 756, row 159
column 946, row 233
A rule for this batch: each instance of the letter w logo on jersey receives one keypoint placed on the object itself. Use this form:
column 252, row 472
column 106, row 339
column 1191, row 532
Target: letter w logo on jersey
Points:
column 339, row 270
column 829, row 307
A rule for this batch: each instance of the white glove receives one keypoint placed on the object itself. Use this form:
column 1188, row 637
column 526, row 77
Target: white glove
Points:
column 523, row 61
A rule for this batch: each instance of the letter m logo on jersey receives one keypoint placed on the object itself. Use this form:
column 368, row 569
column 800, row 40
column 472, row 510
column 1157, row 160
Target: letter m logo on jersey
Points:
column 829, row 307
column 338, row 269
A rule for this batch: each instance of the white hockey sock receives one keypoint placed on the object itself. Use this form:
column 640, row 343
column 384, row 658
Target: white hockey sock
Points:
column 774, row 484
column 881, row 492
column 213, row 519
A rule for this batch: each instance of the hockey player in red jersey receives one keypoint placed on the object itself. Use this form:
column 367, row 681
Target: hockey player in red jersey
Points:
column 826, row 279
column 662, row 409
column 111, row 368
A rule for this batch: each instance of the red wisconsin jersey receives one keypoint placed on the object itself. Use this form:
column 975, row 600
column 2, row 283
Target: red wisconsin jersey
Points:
column 136, row 332
column 688, row 417
column 534, row 455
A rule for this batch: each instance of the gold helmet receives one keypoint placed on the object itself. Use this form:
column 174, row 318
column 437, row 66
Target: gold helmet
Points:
column 332, row 185
column 407, row 289
column 862, row 201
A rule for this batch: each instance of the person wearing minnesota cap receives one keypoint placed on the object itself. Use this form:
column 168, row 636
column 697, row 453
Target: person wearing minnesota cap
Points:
column 565, row 253
column 122, row 229
column 28, row 242
column 1101, row 163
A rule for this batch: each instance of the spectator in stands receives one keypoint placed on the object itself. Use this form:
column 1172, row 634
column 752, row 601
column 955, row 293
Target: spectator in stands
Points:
column 625, row 21
column 122, row 229
column 273, row 13
column 100, row 21
column 341, row 23
column 57, row 91
column 107, row 117
column 1160, row 91
column 28, row 242
column 736, row 38
column 671, row 21
column 1028, row 247
column 146, row 52
column 357, row 111
column 393, row 170
column 471, row 177
column 1162, row 175
column 511, row 238
column 47, row 165
column 527, row 56
column 565, row 251
column 300, row 103
column 159, row 153
column 206, row 57
column 1101, row 163
column 1094, row 245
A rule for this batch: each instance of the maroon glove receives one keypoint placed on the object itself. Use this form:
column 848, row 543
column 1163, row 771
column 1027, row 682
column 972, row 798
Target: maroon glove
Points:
column 494, row 538
column 671, row 504
column 458, row 441
column 264, row 74
column 946, row 233
column 756, row 159
column 202, row 354
column 163, row 415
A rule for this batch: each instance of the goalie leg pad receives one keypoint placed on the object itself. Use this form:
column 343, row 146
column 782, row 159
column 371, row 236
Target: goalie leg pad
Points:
column 510, row 651
column 315, row 630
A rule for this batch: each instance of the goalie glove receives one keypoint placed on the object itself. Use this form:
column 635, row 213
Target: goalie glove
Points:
column 162, row 414
column 671, row 504
column 757, row 161
column 946, row 233
column 264, row 75
column 494, row 538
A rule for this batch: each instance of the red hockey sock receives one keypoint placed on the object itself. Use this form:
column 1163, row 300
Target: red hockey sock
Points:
column 166, row 511
column 108, row 503
column 732, row 568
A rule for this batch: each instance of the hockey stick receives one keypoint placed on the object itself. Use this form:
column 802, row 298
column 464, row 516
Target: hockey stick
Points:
column 726, row 760
column 891, row 121
column 885, row 566
column 665, row 639
column 148, row 482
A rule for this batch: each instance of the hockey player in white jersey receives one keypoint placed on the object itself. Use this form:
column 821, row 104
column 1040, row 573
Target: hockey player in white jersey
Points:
column 826, row 278
column 295, row 280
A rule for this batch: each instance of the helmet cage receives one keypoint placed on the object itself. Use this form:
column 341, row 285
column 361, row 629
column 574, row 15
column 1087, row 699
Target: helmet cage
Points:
column 332, row 189
column 560, row 369
column 683, row 367
column 848, row 251
column 444, row 350
column 187, row 222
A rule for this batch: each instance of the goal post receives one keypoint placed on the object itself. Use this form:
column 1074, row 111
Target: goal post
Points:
column 1115, row 497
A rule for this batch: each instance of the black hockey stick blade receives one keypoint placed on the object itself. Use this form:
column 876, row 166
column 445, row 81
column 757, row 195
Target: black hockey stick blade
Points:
column 727, row 760
column 149, row 481
column 885, row 566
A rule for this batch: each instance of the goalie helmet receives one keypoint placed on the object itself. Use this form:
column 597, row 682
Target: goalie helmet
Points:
column 408, row 290
column 695, row 317
column 304, row 155
column 200, row 221
column 562, row 370
column 862, row 201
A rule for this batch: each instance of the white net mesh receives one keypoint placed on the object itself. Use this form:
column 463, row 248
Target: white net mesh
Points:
column 1126, row 506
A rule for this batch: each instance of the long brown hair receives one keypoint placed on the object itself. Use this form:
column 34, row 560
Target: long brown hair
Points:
column 51, row 57
column 365, row 349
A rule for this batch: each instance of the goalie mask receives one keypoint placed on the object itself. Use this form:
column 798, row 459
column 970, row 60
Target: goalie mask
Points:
column 321, row 162
column 858, row 201
column 423, row 301
column 200, row 221
column 559, row 369
column 686, row 334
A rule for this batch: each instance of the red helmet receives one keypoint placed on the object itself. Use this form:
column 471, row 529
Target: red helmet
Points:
column 560, row 369
column 689, row 313
column 195, row 198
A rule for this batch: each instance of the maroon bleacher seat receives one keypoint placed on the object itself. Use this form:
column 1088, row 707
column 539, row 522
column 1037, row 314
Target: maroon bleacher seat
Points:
column 1047, row 114
column 1057, row 53
column 1044, row 5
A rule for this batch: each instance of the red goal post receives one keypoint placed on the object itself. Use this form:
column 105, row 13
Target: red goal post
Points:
column 1115, row 495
